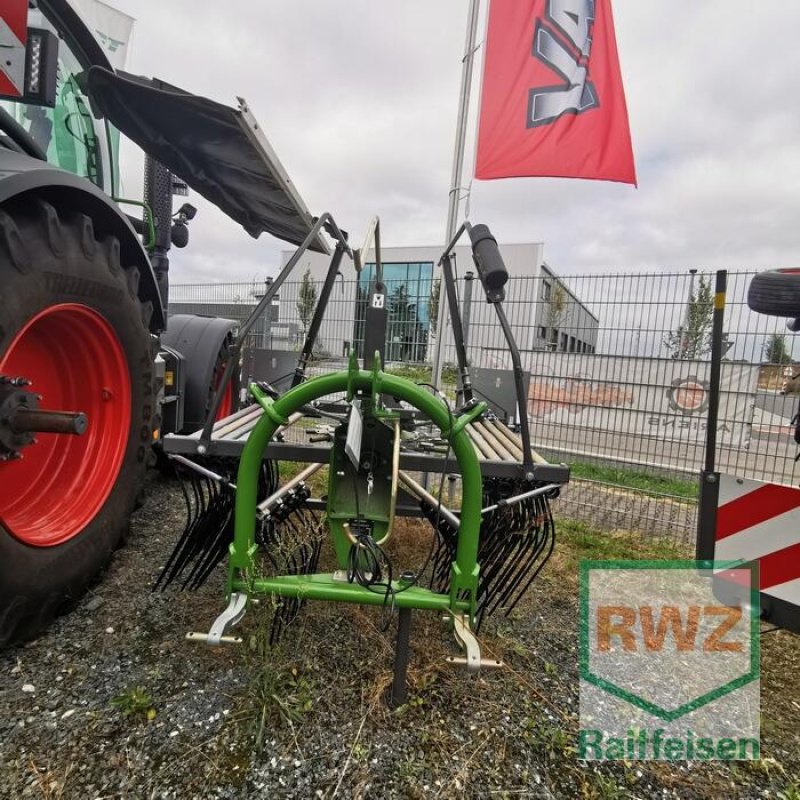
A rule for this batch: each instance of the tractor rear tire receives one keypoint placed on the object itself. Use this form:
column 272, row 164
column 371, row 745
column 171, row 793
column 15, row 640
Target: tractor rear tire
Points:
column 776, row 293
column 72, row 323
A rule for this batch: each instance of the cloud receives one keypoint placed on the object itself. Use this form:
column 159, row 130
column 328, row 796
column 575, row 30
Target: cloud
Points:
column 359, row 100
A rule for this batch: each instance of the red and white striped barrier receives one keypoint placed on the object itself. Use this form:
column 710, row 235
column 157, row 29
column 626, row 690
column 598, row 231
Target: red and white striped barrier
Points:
column 13, row 36
column 761, row 521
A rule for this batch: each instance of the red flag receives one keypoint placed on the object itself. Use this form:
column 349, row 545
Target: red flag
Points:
column 552, row 102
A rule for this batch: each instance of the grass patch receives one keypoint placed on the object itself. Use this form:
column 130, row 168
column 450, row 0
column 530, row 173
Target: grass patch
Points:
column 578, row 541
column 419, row 373
column 635, row 479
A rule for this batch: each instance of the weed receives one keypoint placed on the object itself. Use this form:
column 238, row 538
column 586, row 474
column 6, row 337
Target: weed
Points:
column 763, row 766
column 608, row 788
column 135, row 702
column 51, row 785
column 281, row 693
column 423, row 684
column 790, row 792
column 359, row 752
column 547, row 736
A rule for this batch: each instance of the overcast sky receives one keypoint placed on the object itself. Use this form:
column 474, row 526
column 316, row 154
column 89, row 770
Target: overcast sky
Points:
column 359, row 99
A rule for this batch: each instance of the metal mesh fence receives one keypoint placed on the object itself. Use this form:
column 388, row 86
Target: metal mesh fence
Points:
column 617, row 367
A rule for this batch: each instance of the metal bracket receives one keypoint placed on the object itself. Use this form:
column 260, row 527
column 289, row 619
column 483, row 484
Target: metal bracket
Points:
column 227, row 619
column 470, row 645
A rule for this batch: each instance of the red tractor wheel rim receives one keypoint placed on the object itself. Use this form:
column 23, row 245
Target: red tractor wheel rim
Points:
column 74, row 360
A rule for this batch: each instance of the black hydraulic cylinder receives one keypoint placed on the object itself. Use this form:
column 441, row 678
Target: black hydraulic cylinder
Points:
column 458, row 330
column 488, row 261
column 38, row 421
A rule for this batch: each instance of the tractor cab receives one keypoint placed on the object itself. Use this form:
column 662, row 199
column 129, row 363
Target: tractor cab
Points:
column 43, row 95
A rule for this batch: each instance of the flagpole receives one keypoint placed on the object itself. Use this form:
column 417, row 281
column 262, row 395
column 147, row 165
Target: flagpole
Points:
column 455, row 183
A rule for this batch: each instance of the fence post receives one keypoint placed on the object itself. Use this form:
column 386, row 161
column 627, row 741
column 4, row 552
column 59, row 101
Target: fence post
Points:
column 267, row 345
column 709, row 478
column 469, row 276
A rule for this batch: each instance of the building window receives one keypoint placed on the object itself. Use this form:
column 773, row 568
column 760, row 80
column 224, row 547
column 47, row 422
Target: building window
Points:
column 564, row 340
column 572, row 344
column 408, row 294
column 546, row 291
column 542, row 332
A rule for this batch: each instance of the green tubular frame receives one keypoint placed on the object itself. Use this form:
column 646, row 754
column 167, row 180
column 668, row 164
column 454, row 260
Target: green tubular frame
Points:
column 464, row 570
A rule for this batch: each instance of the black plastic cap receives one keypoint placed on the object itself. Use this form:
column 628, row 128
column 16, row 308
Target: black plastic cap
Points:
column 488, row 260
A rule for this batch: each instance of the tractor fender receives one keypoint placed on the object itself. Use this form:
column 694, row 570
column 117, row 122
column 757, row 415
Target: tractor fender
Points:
column 204, row 343
column 21, row 175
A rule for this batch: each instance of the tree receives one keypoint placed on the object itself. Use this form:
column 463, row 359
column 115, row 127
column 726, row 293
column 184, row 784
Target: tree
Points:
column 306, row 300
column 557, row 311
column 692, row 339
column 776, row 351
column 433, row 304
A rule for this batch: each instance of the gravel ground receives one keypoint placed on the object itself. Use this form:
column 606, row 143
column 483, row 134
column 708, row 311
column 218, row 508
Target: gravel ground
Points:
column 111, row 702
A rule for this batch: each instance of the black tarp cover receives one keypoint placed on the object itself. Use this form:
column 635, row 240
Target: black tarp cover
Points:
column 211, row 147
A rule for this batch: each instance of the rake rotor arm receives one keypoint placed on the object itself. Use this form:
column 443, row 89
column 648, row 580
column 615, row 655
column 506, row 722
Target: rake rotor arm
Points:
column 494, row 276
column 325, row 222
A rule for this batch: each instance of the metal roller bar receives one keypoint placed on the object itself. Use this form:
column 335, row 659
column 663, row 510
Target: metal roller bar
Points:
column 520, row 497
column 230, row 424
column 244, row 426
column 395, row 476
column 491, row 437
column 425, row 495
column 265, row 506
column 537, row 459
column 231, row 417
column 501, row 431
column 483, row 444
column 202, row 470
column 243, row 431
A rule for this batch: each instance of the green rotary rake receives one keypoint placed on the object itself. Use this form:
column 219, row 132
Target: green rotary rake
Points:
column 357, row 513
column 484, row 555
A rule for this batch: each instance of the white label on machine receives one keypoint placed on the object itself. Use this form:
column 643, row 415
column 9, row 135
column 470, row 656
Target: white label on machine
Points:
column 355, row 426
column 378, row 300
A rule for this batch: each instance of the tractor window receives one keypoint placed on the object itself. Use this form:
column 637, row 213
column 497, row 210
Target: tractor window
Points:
column 70, row 135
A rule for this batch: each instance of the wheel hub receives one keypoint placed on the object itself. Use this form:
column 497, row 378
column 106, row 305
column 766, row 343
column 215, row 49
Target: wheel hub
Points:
column 21, row 418
column 13, row 398
column 54, row 483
